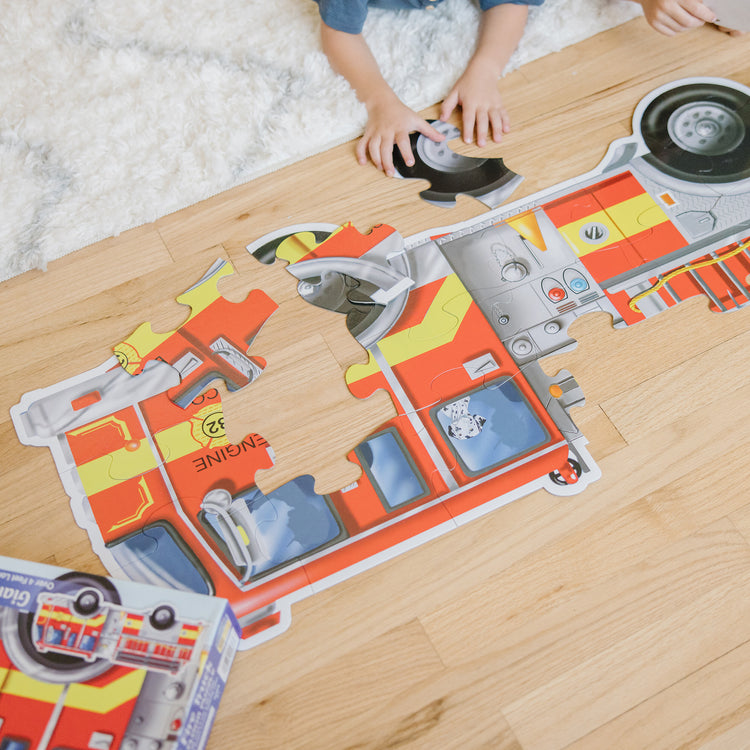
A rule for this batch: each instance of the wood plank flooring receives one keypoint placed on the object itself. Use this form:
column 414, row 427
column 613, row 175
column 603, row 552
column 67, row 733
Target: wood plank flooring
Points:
column 619, row 618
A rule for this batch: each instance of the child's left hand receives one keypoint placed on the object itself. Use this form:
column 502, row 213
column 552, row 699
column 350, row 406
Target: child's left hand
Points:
column 481, row 105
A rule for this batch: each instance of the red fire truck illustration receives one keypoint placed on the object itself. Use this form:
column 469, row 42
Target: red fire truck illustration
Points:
column 83, row 672
column 455, row 321
column 86, row 627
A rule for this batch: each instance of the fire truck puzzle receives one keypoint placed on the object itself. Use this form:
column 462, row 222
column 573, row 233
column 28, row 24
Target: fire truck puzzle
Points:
column 455, row 322
column 87, row 663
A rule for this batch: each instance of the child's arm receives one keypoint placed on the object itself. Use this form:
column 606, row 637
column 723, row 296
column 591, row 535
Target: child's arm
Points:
column 673, row 16
column 390, row 121
column 476, row 90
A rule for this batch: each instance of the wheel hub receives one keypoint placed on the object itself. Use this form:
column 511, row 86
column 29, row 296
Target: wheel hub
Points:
column 706, row 128
column 439, row 156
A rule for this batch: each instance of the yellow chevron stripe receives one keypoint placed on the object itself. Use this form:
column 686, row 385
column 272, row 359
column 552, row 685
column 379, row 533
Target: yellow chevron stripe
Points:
column 438, row 327
column 105, row 422
column 106, row 698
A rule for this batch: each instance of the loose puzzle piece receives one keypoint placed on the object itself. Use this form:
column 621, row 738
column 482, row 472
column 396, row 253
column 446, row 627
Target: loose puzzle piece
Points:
column 455, row 323
column 450, row 174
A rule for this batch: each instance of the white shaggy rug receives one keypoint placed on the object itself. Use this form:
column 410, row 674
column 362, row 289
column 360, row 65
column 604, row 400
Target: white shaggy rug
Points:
column 114, row 113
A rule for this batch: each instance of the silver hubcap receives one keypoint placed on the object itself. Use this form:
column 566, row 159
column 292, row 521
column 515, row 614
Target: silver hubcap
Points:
column 706, row 128
column 439, row 156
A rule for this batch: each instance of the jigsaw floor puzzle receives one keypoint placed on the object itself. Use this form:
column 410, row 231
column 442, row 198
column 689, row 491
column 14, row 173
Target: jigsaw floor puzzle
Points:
column 455, row 322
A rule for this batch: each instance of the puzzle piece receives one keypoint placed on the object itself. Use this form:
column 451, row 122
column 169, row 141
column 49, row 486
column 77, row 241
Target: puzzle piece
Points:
column 211, row 344
column 450, row 174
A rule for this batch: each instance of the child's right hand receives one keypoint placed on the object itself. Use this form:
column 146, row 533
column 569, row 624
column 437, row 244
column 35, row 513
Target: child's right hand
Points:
column 390, row 123
column 674, row 16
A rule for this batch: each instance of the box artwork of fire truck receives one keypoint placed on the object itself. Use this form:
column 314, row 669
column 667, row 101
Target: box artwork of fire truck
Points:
column 90, row 663
column 455, row 321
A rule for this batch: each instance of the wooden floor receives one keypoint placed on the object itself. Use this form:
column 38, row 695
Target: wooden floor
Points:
column 619, row 618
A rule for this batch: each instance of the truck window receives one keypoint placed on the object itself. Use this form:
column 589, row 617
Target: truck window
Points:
column 391, row 470
column 489, row 426
column 8, row 743
column 259, row 533
column 157, row 555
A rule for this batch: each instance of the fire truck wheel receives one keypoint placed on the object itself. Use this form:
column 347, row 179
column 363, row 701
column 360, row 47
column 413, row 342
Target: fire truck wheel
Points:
column 91, row 586
column 162, row 618
column 699, row 132
column 558, row 479
column 87, row 602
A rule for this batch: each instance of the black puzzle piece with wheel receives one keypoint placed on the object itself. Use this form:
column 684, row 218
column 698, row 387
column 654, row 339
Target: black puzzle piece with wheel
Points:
column 699, row 132
column 451, row 174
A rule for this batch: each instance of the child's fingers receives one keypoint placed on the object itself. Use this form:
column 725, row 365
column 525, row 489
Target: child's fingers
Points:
column 403, row 143
column 500, row 124
column 386, row 157
column 449, row 104
column 699, row 10
column 425, row 128
column 482, row 127
column 373, row 148
column 361, row 150
column 469, row 119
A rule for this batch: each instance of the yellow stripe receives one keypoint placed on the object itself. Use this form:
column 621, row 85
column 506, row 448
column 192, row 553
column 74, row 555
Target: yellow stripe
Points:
column 623, row 219
column 637, row 214
column 23, row 686
column 106, row 698
column 108, row 471
column 296, row 247
column 99, row 700
column 438, row 327
column 177, row 441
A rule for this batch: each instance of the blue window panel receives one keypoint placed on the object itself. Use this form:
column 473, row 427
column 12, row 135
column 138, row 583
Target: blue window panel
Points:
column 490, row 426
column 154, row 556
column 388, row 467
column 53, row 636
column 291, row 521
column 10, row 744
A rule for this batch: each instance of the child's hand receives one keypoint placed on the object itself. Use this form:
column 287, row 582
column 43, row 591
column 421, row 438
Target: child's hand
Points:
column 674, row 16
column 389, row 125
column 481, row 105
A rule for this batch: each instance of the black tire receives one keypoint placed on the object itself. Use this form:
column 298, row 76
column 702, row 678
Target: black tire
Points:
column 558, row 479
column 162, row 618
column 87, row 602
column 470, row 175
column 716, row 150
